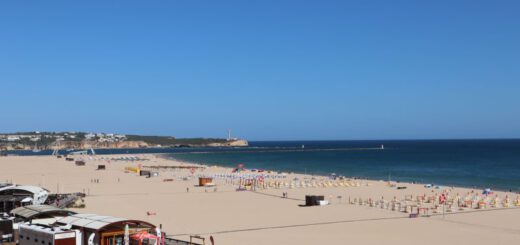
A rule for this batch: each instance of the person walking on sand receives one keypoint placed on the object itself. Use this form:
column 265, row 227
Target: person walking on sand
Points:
column 187, row 189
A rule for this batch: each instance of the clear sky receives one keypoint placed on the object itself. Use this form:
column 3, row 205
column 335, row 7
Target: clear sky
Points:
column 267, row 69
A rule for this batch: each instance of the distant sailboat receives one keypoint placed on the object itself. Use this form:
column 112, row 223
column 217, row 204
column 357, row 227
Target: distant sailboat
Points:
column 382, row 147
column 303, row 146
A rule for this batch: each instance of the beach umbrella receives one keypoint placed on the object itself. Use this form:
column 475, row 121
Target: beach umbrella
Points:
column 91, row 239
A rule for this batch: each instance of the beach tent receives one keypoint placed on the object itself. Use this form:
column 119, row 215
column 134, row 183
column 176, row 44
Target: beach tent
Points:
column 487, row 191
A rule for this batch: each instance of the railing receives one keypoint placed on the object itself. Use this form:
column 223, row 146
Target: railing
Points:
column 172, row 241
column 63, row 200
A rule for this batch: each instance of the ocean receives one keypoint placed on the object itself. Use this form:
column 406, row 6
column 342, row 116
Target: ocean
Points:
column 468, row 163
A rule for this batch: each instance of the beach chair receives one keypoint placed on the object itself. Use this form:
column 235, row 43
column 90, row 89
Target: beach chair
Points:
column 482, row 205
column 506, row 203
column 517, row 202
column 468, row 203
column 494, row 203
column 398, row 206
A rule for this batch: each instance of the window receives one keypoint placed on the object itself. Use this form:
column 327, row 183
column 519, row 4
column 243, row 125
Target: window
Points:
column 119, row 241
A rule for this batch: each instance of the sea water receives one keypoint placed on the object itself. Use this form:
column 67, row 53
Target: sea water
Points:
column 469, row 163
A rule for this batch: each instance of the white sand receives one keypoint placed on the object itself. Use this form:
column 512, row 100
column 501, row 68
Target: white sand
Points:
column 252, row 218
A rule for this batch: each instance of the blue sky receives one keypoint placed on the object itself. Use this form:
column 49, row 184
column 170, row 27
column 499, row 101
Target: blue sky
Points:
column 269, row 70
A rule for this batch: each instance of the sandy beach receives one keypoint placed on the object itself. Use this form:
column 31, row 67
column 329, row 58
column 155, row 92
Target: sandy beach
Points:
column 263, row 216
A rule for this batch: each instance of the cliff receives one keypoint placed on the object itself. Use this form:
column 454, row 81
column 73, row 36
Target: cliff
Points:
column 234, row 143
column 81, row 140
column 115, row 145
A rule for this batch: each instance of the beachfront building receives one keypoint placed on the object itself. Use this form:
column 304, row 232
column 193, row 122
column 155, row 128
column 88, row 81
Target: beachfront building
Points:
column 31, row 234
column 40, row 214
column 50, row 224
column 13, row 196
column 105, row 230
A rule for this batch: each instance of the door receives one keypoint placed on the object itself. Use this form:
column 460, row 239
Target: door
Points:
column 108, row 241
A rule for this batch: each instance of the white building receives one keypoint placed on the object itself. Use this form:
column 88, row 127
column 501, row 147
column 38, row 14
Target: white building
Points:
column 90, row 136
column 13, row 138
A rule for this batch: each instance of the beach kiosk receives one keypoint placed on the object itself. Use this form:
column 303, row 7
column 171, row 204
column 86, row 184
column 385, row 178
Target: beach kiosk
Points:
column 106, row 230
column 30, row 234
column 313, row 200
column 146, row 173
column 206, row 181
